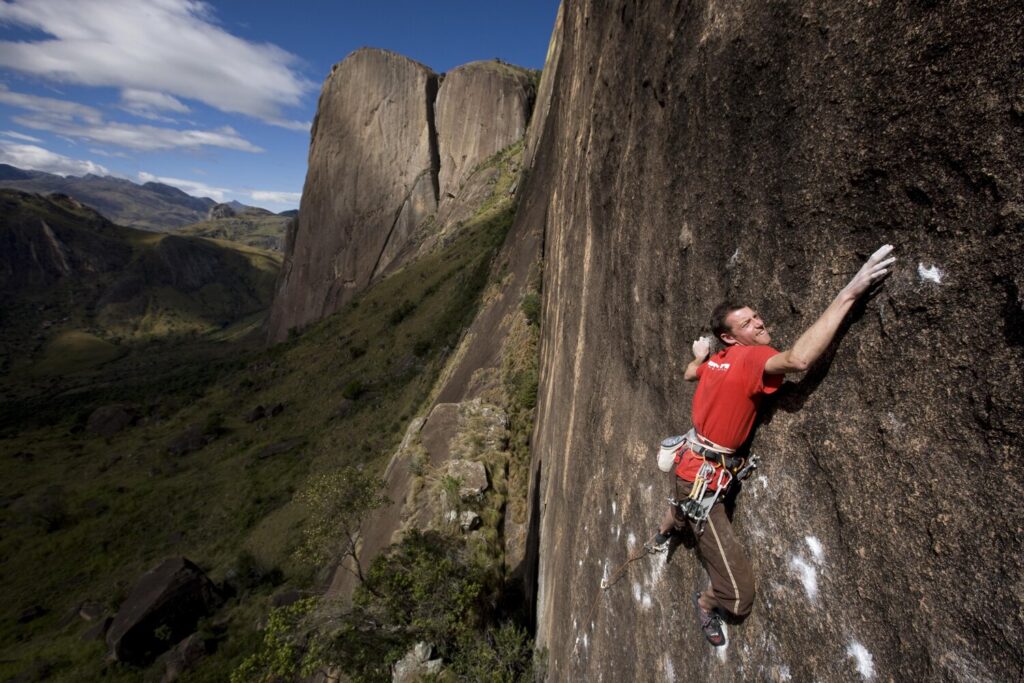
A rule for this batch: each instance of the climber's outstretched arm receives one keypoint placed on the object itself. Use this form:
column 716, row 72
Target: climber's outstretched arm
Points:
column 813, row 342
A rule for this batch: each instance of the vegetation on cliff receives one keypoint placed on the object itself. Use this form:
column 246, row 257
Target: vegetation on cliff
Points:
column 85, row 513
column 442, row 583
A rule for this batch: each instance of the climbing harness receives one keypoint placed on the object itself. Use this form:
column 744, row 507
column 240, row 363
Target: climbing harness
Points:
column 718, row 461
column 673, row 448
column 721, row 465
column 697, row 505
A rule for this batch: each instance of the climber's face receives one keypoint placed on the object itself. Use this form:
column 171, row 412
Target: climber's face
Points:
column 746, row 328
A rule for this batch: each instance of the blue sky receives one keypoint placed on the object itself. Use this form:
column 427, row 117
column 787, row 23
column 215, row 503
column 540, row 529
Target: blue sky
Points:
column 216, row 97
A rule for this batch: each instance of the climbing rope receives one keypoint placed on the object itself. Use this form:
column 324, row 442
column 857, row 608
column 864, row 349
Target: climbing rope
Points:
column 613, row 578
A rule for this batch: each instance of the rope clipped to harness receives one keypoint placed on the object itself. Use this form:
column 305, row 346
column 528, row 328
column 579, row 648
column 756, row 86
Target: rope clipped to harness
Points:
column 698, row 504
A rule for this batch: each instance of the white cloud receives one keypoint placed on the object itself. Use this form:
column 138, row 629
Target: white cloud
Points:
column 78, row 121
column 51, row 108
column 304, row 126
column 144, row 138
column 149, row 100
column 39, row 159
column 106, row 153
column 14, row 135
column 275, row 197
column 148, row 104
column 192, row 187
column 170, row 48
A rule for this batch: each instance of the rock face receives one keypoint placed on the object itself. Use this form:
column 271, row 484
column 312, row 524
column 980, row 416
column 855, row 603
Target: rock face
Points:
column 163, row 607
column 220, row 211
column 544, row 91
column 376, row 164
column 707, row 150
column 371, row 180
column 482, row 107
column 416, row 664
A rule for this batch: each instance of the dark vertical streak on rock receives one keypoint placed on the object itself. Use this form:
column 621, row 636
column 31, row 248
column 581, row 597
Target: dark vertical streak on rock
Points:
column 435, row 153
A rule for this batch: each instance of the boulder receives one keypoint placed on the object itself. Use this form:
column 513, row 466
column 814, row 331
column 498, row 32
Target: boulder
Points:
column 472, row 476
column 191, row 439
column 109, row 420
column 438, row 431
column 90, row 611
column 257, row 413
column 183, row 657
column 469, row 520
column 288, row 597
column 220, row 211
column 163, row 607
column 416, row 664
column 31, row 613
column 98, row 631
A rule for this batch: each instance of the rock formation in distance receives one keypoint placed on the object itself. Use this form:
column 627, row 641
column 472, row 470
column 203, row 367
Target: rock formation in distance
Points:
column 376, row 164
column 482, row 107
column 371, row 179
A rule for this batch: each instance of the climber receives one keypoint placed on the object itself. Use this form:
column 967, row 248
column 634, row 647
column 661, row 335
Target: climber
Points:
column 730, row 385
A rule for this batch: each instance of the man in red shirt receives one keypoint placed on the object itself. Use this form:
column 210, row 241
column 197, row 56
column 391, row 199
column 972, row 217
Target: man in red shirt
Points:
column 730, row 386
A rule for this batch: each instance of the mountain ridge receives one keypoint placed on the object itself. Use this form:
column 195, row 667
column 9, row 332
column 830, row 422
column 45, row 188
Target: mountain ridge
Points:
column 152, row 205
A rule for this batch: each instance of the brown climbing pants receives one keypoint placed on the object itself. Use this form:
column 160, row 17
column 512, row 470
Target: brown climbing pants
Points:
column 732, row 576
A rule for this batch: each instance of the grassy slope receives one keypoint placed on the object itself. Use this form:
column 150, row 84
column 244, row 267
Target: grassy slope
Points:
column 257, row 230
column 67, row 327
column 115, row 508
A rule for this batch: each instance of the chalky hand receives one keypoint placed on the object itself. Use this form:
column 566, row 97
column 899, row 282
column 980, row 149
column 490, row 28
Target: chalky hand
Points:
column 873, row 270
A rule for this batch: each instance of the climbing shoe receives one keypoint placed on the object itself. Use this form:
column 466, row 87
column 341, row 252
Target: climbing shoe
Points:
column 710, row 623
column 660, row 542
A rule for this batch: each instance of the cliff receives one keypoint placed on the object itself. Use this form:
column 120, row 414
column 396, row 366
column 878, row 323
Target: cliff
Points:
column 482, row 107
column 379, row 162
column 370, row 181
column 700, row 151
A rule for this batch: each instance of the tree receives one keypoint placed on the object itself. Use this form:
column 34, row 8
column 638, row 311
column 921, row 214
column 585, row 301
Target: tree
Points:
column 338, row 502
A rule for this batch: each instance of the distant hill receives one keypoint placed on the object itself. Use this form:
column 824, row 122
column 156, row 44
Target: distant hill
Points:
column 247, row 225
column 151, row 206
column 66, row 269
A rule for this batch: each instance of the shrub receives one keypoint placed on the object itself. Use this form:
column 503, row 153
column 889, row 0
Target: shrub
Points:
column 425, row 584
column 421, row 348
column 282, row 654
column 401, row 312
column 251, row 573
column 353, row 389
column 531, row 307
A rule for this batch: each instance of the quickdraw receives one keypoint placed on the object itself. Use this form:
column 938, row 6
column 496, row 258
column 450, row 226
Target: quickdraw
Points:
column 697, row 505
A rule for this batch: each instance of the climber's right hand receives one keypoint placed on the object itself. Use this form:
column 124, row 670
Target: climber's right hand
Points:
column 701, row 348
column 873, row 270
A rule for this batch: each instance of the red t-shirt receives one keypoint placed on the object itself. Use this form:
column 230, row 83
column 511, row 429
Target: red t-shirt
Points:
column 730, row 385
